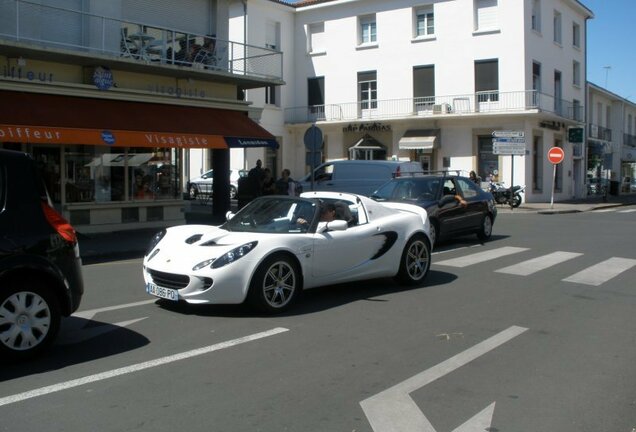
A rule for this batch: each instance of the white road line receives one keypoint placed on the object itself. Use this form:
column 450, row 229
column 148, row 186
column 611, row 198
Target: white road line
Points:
column 627, row 211
column 605, row 210
column 602, row 272
column 136, row 367
column 393, row 410
column 88, row 314
column 480, row 257
column 456, row 249
column 534, row 265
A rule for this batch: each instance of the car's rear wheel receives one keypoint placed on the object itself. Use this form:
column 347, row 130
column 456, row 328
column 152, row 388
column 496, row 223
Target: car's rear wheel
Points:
column 415, row 261
column 275, row 285
column 29, row 319
column 485, row 230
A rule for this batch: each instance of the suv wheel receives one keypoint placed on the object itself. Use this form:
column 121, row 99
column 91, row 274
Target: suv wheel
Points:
column 29, row 319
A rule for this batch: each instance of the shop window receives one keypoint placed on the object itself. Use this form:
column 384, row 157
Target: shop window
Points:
column 488, row 162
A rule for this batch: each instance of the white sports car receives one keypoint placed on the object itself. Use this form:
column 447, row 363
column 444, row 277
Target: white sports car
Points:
column 276, row 246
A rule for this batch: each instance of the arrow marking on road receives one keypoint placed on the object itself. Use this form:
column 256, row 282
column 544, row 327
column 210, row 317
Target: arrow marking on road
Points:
column 137, row 367
column 393, row 410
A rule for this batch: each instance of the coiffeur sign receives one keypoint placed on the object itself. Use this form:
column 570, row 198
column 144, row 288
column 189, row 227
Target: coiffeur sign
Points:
column 116, row 138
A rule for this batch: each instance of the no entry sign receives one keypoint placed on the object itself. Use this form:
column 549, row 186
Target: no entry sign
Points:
column 555, row 155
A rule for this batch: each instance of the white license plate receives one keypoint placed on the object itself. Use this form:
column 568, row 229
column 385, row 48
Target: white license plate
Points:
column 165, row 293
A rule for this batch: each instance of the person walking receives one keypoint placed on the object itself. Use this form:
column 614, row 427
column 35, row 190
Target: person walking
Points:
column 285, row 185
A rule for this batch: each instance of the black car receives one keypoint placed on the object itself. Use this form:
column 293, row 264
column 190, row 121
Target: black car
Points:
column 455, row 205
column 40, row 264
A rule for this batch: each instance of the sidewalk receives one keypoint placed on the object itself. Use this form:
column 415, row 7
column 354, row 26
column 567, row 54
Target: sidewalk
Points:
column 133, row 243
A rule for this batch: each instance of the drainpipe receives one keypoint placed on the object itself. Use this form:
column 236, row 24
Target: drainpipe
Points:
column 585, row 124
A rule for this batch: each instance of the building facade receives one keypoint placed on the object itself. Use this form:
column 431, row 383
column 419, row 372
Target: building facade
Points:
column 431, row 81
column 113, row 99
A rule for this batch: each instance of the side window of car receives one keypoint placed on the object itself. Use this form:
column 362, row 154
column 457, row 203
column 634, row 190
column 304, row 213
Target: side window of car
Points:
column 324, row 173
column 449, row 187
column 468, row 188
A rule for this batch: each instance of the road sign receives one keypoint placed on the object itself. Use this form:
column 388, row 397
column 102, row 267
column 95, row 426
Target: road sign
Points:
column 575, row 134
column 509, row 140
column 313, row 139
column 508, row 134
column 509, row 146
column 556, row 155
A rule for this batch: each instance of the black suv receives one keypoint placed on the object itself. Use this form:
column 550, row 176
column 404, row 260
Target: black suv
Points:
column 40, row 265
column 455, row 204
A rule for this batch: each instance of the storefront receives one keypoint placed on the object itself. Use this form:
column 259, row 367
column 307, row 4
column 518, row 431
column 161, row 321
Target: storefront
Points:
column 628, row 170
column 114, row 164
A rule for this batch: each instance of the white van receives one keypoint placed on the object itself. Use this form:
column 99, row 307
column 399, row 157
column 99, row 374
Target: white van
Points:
column 357, row 176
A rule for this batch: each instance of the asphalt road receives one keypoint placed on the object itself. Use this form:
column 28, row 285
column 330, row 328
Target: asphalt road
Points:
column 532, row 331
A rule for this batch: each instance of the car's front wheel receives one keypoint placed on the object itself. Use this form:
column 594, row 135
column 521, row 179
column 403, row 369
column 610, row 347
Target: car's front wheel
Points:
column 275, row 284
column 416, row 261
column 485, row 231
column 29, row 319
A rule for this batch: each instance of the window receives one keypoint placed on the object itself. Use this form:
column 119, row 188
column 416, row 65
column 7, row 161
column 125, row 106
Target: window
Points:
column 424, row 22
column 537, row 164
column 316, row 95
column 271, row 95
column 557, row 92
column 576, row 110
column 629, row 124
column 272, row 35
column 536, row 15
column 316, row 39
column 557, row 27
column 608, row 117
column 576, row 73
column 536, row 82
column 487, row 80
column 485, row 15
column 576, row 35
column 368, row 90
column 368, row 32
column 599, row 113
column 424, row 87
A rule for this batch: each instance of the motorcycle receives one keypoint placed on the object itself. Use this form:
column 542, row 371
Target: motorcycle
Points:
column 502, row 194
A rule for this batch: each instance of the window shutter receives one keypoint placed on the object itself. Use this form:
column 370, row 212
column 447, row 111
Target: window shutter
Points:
column 317, row 35
column 486, row 14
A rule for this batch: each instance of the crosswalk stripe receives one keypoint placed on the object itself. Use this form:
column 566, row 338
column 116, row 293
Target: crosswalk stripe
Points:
column 534, row 265
column 605, row 210
column 627, row 211
column 602, row 272
column 480, row 257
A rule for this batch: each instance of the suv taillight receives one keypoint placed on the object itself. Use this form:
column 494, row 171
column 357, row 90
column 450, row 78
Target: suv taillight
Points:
column 60, row 224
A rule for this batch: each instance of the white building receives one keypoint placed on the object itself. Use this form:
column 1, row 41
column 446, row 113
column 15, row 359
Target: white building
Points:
column 427, row 80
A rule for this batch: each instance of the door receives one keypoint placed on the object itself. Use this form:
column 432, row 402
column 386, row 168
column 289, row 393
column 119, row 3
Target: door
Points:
column 452, row 216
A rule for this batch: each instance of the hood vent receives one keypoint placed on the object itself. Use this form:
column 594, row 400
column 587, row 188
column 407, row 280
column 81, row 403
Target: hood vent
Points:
column 193, row 239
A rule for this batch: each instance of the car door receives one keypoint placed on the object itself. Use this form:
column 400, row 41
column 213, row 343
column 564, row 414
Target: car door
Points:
column 452, row 216
column 475, row 206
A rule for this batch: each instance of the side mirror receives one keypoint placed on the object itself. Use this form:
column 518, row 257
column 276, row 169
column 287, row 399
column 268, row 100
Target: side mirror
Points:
column 229, row 215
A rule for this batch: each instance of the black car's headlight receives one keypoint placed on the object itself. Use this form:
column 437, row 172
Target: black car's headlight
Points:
column 228, row 257
column 154, row 241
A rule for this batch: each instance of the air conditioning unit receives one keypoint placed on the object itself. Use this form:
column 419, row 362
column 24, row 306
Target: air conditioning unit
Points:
column 443, row 108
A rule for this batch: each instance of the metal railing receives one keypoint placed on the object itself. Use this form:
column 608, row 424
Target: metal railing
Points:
column 475, row 103
column 600, row 132
column 57, row 27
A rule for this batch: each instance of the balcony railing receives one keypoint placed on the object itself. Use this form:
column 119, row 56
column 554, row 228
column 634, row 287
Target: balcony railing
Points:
column 82, row 32
column 475, row 103
column 629, row 140
column 600, row 132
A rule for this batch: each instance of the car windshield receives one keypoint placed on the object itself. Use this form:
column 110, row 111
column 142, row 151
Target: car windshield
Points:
column 408, row 189
column 277, row 214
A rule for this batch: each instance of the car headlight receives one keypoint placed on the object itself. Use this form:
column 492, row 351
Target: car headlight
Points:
column 229, row 257
column 154, row 241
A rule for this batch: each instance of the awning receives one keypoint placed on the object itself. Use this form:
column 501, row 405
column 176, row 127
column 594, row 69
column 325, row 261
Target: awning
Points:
column 367, row 142
column 53, row 119
column 419, row 139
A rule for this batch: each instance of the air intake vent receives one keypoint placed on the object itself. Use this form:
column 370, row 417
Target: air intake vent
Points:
column 195, row 238
column 169, row 280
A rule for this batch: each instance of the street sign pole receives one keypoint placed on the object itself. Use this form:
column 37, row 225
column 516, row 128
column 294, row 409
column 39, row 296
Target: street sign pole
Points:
column 313, row 143
column 512, row 179
column 555, row 156
column 553, row 184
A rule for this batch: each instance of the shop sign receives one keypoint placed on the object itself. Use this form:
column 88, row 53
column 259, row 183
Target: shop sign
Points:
column 367, row 127
column 177, row 92
column 25, row 74
column 118, row 138
column 102, row 78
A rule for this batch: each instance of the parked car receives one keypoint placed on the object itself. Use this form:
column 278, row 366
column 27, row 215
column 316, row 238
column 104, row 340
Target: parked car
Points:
column 202, row 186
column 40, row 265
column 357, row 176
column 437, row 194
column 276, row 246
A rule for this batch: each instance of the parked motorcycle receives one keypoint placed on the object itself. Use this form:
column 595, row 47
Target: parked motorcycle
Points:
column 502, row 194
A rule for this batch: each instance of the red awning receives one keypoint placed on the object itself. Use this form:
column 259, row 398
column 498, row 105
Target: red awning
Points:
column 44, row 118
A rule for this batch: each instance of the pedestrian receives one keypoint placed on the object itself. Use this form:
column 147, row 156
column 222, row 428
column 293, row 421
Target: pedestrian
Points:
column 256, row 176
column 285, row 185
column 268, row 187
column 473, row 176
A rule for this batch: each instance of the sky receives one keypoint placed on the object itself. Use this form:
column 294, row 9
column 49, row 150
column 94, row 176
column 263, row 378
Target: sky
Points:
column 611, row 42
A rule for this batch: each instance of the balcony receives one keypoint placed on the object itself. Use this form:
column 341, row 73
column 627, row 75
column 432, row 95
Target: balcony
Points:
column 629, row 140
column 600, row 133
column 491, row 102
column 49, row 32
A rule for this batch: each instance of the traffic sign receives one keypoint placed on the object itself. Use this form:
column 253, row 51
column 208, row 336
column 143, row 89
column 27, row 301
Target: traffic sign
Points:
column 509, row 149
column 313, row 139
column 556, row 155
column 508, row 134
column 575, row 134
column 509, row 140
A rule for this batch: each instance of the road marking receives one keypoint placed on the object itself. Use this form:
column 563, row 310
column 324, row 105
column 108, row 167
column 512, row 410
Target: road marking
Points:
column 137, row 367
column 480, row 257
column 627, row 211
column 605, row 210
column 534, row 265
column 393, row 410
column 602, row 272
column 129, row 261
column 90, row 313
column 456, row 249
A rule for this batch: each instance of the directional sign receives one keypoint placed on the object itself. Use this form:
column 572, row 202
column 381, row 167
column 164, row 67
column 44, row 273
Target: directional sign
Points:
column 508, row 134
column 393, row 410
column 509, row 140
column 506, row 147
column 555, row 155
